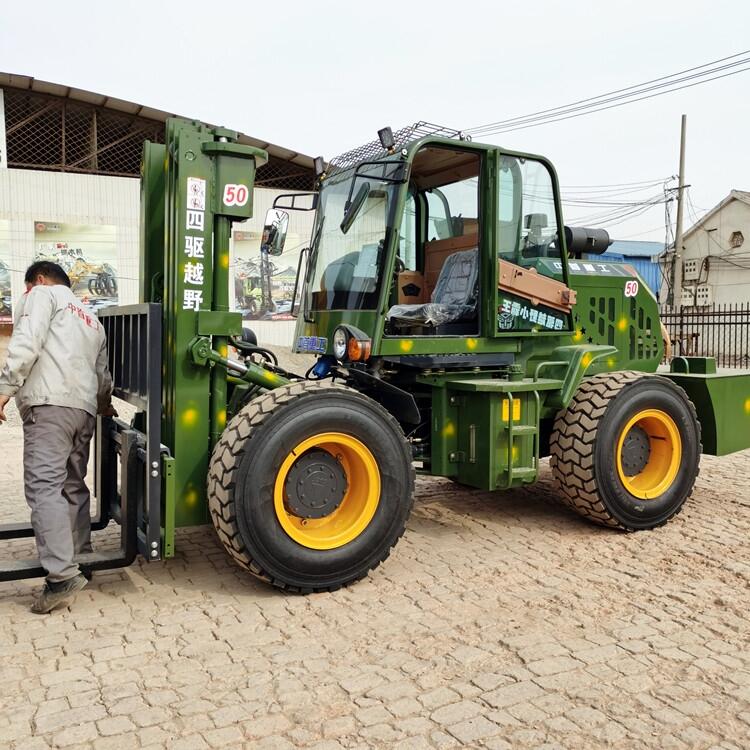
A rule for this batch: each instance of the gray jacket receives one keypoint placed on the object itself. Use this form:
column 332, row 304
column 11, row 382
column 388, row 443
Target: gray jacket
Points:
column 57, row 354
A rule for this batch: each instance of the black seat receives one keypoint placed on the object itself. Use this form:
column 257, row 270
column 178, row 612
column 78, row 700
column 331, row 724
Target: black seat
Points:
column 454, row 297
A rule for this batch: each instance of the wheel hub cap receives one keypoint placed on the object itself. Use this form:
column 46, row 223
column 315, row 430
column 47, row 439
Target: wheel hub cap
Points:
column 636, row 451
column 315, row 485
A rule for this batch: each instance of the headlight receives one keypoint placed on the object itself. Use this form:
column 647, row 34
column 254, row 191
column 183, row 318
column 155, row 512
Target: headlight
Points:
column 340, row 341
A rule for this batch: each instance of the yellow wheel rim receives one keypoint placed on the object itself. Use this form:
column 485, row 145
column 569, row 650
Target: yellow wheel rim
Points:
column 665, row 454
column 358, row 505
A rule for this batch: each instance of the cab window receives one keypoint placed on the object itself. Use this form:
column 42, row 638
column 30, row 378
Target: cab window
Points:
column 436, row 282
column 529, row 238
column 452, row 210
column 528, row 227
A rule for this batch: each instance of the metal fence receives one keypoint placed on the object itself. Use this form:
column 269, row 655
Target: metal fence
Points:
column 720, row 331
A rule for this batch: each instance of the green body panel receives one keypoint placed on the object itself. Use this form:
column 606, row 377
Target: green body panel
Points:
column 475, row 441
column 191, row 265
column 604, row 315
column 722, row 400
column 186, row 388
column 496, row 448
column 219, row 323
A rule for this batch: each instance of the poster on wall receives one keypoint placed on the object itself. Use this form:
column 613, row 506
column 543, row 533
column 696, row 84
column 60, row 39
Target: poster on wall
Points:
column 263, row 284
column 87, row 252
column 6, row 305
column 3, row 147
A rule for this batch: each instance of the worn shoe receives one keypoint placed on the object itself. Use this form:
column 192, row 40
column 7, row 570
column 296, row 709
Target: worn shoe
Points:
column 60, row 594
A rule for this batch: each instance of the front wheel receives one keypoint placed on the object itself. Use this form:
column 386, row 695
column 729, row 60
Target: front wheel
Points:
column 626, row 451
column 310, row 486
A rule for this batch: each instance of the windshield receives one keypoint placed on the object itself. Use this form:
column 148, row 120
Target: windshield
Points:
column 345, row 269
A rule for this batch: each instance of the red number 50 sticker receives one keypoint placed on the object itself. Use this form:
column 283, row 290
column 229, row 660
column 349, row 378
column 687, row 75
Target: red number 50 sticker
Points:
column 235, row 195
column 631, row 288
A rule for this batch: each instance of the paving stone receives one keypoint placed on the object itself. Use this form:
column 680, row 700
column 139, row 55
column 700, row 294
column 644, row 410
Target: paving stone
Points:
column 373, row 715
column 68, row 718
column 114, row 725
column 473, row 730
column 226, row 736
column 75, row 735
column 508, row 695
column 339, row 727
column 439, row 697
column 455, row 712
column 554, row 665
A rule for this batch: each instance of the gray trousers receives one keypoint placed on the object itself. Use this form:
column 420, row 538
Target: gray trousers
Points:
column 56, row 443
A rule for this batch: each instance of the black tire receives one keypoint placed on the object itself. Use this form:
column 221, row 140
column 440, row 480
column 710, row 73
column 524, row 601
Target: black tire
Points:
column 243, row 470
column 584, row 442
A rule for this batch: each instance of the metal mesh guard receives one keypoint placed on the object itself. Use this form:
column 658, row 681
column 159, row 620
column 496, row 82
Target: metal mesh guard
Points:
column 47, row 132
column 373, row 150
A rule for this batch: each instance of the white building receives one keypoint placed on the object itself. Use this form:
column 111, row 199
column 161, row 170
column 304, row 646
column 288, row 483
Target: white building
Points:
column 69, row 190
column 716, row 255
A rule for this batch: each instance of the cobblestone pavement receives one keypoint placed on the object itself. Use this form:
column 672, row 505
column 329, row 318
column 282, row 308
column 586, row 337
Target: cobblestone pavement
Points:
column 500, row 620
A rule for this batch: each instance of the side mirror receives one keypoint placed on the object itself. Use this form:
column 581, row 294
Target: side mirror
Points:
column 274, row 231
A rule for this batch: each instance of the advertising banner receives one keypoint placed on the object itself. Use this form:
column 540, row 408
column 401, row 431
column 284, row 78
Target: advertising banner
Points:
column 263, row 284
column 87, row 252
column 6, row 307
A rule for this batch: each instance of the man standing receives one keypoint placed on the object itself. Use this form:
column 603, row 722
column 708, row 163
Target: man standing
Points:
column 57, row 370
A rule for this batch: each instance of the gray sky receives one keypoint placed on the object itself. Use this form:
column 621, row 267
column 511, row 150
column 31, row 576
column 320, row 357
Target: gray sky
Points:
column 323, row 76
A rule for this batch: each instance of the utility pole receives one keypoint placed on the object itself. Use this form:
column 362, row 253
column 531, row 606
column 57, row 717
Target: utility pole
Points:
column 677, row 268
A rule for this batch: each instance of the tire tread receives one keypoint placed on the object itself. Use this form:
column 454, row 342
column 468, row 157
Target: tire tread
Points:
column 573, row 441
column 236, row 439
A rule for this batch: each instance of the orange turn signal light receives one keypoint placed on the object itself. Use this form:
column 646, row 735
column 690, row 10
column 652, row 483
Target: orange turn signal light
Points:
column 358, row 350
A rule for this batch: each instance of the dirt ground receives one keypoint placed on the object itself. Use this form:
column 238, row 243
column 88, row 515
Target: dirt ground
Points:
column 499, row 621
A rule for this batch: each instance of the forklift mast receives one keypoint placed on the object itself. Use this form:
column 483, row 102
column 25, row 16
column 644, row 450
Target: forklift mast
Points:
column 193, row 187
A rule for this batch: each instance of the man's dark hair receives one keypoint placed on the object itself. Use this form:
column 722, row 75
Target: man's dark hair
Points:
column 49, row 270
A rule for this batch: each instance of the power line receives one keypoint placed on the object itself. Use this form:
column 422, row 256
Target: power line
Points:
column 613, row 106
column 609, row 93
column 617, row 184
column 620, row 97
column 607, row 194
column 621, row 211
column 645, row 231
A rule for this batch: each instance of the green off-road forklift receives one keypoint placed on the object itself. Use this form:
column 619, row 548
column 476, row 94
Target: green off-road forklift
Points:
column 461, row 330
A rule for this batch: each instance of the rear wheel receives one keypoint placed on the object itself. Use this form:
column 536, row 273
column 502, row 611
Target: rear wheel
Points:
column 626, row 451
column 310, row 486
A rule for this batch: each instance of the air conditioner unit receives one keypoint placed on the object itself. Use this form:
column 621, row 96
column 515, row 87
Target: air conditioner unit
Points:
column 704, row 296
column 691, row 269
